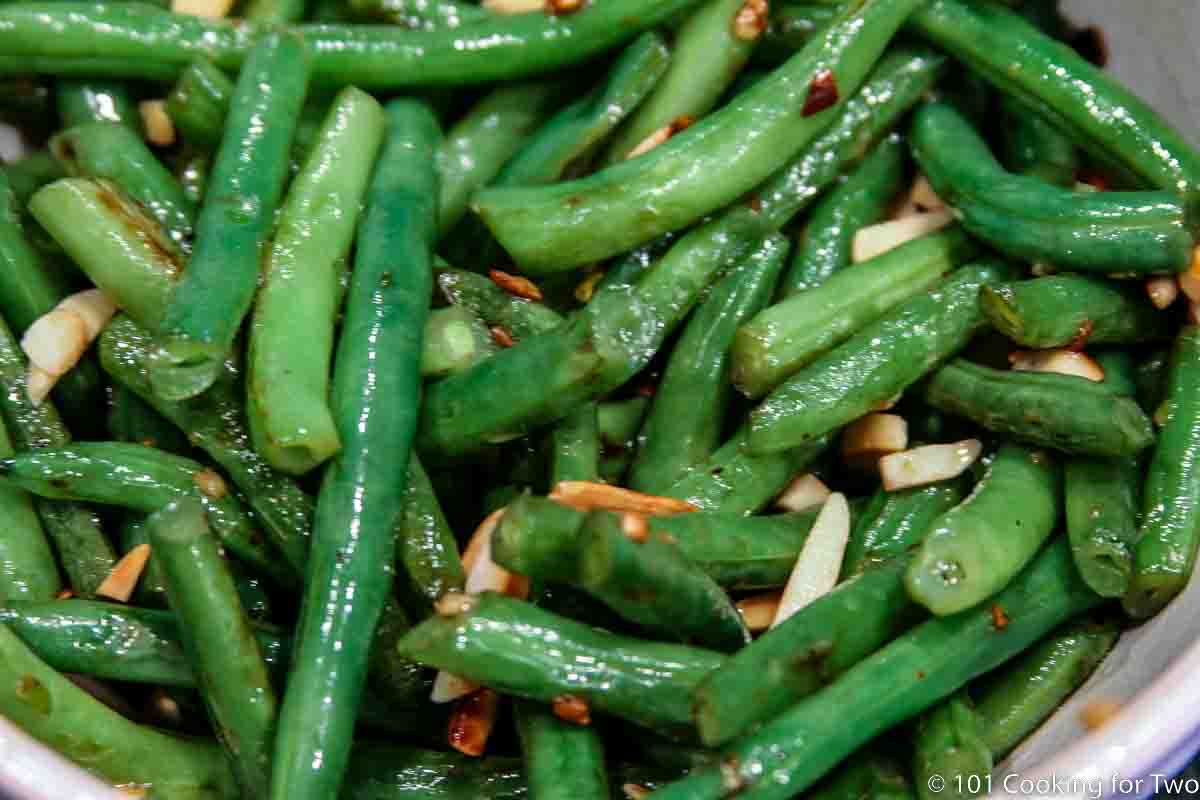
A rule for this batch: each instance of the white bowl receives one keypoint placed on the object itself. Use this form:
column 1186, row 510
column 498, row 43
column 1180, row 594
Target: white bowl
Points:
column 1154, row 671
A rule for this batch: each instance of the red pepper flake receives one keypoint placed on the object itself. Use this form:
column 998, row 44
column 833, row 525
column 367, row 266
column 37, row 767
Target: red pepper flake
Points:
column 472, row 721
column 999, row 618
column 822, row 94
column 754, row 203
column 570, row 708
column 501, row 336
column 1077, row 344
column 1091, row 43
column 515, row 285
column 1094, row 179
column 559, row 8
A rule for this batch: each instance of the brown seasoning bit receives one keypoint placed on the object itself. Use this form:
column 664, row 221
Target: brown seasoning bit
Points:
column 1081, row 337
column 751, row 20
column 591, row 496
column 635, row 791
column 558, row 8
column 822, row 94
column 516, row 285
column 472, row 721
column 570, row 708
column 501, row 336
column 120, row 583
column 65, row 594
column 999, row 618
column 210, row 484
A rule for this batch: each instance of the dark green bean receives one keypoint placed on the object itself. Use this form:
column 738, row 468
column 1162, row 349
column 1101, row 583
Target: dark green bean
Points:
column 869, row 775
column 563, row 761
column 421, row 14
column 26, row 561
column 131, row 419
column 1029, row 145
column 31, row 173
column 425, row 545
column 1102, row 507
column 519, row 316
column 949, row 749
column 198, row 103
column 379, row 772
column 454, row 340
column 575, row 447
column 894, row 521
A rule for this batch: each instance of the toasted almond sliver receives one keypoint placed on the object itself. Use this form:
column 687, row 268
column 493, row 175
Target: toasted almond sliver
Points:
column 38, row 383
column 929, row 464
column 875, row 240
column 587, row 287
column 1163, row 291
column 514, row 6
column 1099, row 712
column 93, row 306
column 202, row 8
column 591, row 496
column 804, row 492
column 759, row 610
column 210, row 484
column 516, row 285
column 751, row 20
column 1060, row 362
column 159, row 127
column 659, row 136
column 871, row 437
column 820, row 560
column 920, row 199
column 55, row 341
column 472, row 721
column 121, row 582
column 635, row 791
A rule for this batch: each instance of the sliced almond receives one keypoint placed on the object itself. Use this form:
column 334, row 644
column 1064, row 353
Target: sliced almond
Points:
column 820, row 560
column 875, row 240
column 202, row 8
column 472, row 721
column 1099, row 712
column 590, row 496
column 751, row 20
column 758, row 611
column 1060, row 362
column 929, row 464
column 1163, row 291
column 804, row 492
column 635, row 527
column 123, row 579
column 159, row 127
column 635, row 791
column 587, row 287
column 514, row 6
column 659, row 136
column 55, row 341
column 872, row 437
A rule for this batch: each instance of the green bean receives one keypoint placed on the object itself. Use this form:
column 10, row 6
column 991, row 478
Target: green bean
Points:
column 977, row 547
column 894, row 521
column 121, row 248
column 950, row 749
column 52, row 709
column 131, row 419
column 1014, row 700
column 1064, row 412
column 192, row 172
column 214, row 422
column 520, row 649
column 783, row 338
column 789, row 28
column 376, row 386
column 454, row 340
column 704, row 168
column 709, row 51
column 1058, row 310
column 82, row 102
column 869, row 775
column 519, row 316
column 1029, row 145
column 217, row 638
column 198, row 103
column 876, row 364
column 1102, row 519
column 421, row 14
column 22, row 97
column 395, row 773
column 212, row 296
column 1151, row 376
column 26, row 561
column 455, row 418
column 617, row 424
column 913, row 672
column 286, row 397
column 860, row 199
column 1025, row 217
column 31, row 173
column 274, row 11
column 575, row 447
column 690, row 403
column 477, row 147
column 144, row 43
column 563, row 761
column 425, row 543
column 1165, row 552
column 1120, row 376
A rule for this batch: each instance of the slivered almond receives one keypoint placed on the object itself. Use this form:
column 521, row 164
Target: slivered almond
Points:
column 804, row 492
column 587, row 287
column 516, row 285
column 590, row 496
column 1189, row 279
column 123, row 579
column 816, row 570
column 570, row 708
column 929, row 464
column 202, row 8
column 758, row 610
column 1061, row 362
column 659, row 136
column 1163, row 291
column 634, row 791
column 514, row 6
column 923, row 198
column 55, row 341
column 875, row 240
column 501, row 336
column 453, row 603
column 210, row 484
column 157, row 123
column 472, row 721
column 872, row 437
column 1099, row 712
column 751, row 20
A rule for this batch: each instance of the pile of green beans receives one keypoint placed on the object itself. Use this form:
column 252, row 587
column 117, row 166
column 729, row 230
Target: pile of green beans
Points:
column 462, row 365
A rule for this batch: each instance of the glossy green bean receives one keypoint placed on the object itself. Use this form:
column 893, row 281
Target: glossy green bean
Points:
column 867, row 774
column 380, row 772
column 563, row 761
column 1029, row 145
column 81, row 102
column 894, row 522
column 860, row 199
column 376, row 386
column 421, row 14
column 198, row 103
column 212, row 296
column 31, row 173
column 1102, row 505
column 425, row 544
column 287, row 391
column 217, row 638
column 789, row 28
column 782, row 339
column 575, row 447
column 687, row 414
column 454, row 340
column 519, row 316
column 1064, row 412
column 949, row 751
column 876, row 364
column 274, row 11
column 131, row 419
column 977, row 547
column 550, row 229
column 27, row 565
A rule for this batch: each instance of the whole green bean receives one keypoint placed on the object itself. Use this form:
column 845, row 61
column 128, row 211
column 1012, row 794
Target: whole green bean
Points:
column 192, row 173
column 1064, row 412
column 789, row 28
column 618, row 424
column 212, row 296
column 519, row 316
column 520, row 649
column 1120, row 374
column 913, row 672
column 31, row 173
column 709, row 52
column 977, row 547
column 27, row 566
column 198, row 103
column 54, row 710
column 288, row 382
column 1102, row 519
column 376, row 386
column 1165, row 552
column 454, row 340
column 1025, row 217
column 82, row 102
column 783, row 338
column 894, row 522
column 949, row 749
column 425, row 544
column 560, row 227
column 688, row 411
column 860, row 199
column 1057, row 310
column 876, row 364
column 217, row 639
column 563, row 761
column 104, row 150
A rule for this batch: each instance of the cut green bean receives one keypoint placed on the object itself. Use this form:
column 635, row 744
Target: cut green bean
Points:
column 949, row 750
column 867, row 774
column 217, row 638
column 425, row 544
column 519, row 316
column 30, row 573
column 131, row 419
column 31, row 173
column 575, row 447
column 287, row 393
column 860, row 199
column 1029, row 145
column 894, row 522
column 212, row 296
column 1025, row 217
column 454, row 340
column 690, row 403
column 789, row 28
column 198, row 103
column 104, row 150
column 563, row 761
column 421, row 15
column 978, row 546
column 783, row 338
column 1102, row 519
column 556, row 228
column 876, row 364
column 376, row 386
column 380, row 772
column 1064, row 412
column 81, row 102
